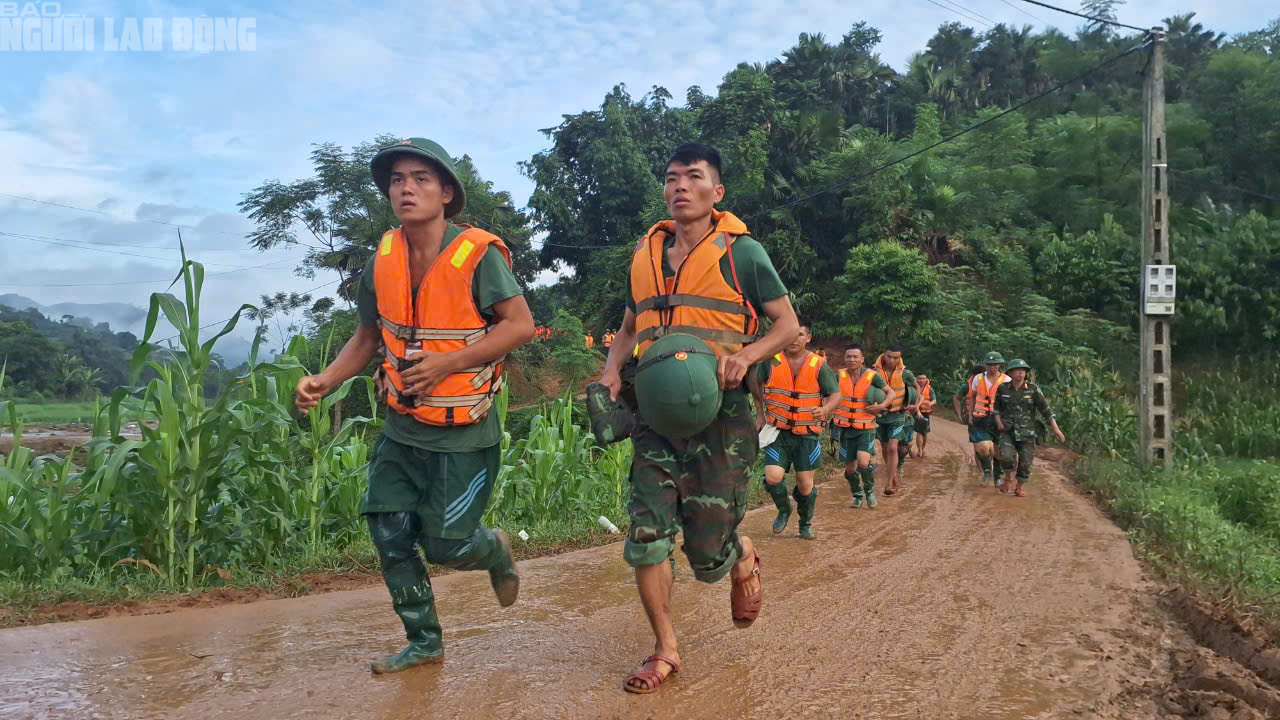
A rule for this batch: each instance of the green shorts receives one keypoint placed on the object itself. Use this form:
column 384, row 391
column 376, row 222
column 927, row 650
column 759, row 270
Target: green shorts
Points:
column 448, row 490
column 804, row 452
column 908, row 432
column 923, row 426
column 698, row 485
column 889, row 431
column 854, row 441
column 981, row 430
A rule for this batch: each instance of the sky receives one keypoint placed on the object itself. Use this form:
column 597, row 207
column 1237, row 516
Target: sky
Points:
column 152, row 139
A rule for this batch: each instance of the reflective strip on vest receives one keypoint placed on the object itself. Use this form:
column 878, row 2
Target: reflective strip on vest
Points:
column 852, row 410
column 697, row 300
column 894, row 380
column 790, row 401
column 443, row 318
column 984, row 393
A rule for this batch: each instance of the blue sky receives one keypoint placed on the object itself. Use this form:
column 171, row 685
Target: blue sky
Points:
column 179, row 136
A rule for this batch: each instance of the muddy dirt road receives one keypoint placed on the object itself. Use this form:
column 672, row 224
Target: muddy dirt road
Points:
column 948, row 601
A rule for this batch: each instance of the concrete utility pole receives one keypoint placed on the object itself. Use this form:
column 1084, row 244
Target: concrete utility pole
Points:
column 1159, row 276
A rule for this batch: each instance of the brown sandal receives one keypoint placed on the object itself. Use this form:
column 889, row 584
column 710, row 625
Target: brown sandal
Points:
column 746, row 608
column 652, row 679
column 1020, row 492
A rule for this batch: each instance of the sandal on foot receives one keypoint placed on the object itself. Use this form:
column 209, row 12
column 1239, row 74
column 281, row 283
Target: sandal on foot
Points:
column 651, row 679
column 746, row 608
column 1020, row 492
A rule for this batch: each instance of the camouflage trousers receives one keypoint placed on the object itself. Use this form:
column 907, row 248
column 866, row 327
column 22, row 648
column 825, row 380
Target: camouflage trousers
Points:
column 1023, row 452
column 698, row 485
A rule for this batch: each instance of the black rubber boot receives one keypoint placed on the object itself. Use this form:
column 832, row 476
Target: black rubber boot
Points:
column 855, row 487
column 804, row 507
column 869, row 484
column 779, row 494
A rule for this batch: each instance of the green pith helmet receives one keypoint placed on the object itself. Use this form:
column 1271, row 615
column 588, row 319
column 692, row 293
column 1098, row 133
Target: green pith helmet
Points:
column 874, row 395
column 677, row 387
column 381, row 164
column 1017, row 364
column 993, row 358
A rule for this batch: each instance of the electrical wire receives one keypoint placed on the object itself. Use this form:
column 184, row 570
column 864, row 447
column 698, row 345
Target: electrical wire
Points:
column 1090, row 18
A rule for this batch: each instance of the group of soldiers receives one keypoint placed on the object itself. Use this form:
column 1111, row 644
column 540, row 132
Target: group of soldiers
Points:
column 439, row 306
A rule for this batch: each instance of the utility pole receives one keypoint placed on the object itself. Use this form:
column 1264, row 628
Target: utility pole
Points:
column 1159, row 276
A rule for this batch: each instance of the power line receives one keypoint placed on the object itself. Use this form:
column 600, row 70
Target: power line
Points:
column 131, row 245
column 224, row 322
column 970, row 11
column 121, row 217
column 71, row 244
column 957, row 12
column 1091, row 18
column 143, row 282
column 1028, row 13
column 908, row 156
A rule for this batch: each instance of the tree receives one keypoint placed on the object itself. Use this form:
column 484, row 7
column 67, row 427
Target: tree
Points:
column 887, row 286
column 339, row 214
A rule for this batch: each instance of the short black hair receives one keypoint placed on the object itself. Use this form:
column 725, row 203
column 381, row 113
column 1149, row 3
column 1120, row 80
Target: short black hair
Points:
column 804, row 323
column 894, row 348
column 853, row 346
column 691, row 152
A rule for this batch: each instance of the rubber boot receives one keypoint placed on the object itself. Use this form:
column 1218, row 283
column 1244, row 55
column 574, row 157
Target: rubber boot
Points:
column 855, row 487
column 869, row 485
column 502, row 573
column 985, row 461
column 804, row 508
column 415, row 604
column 779, row 494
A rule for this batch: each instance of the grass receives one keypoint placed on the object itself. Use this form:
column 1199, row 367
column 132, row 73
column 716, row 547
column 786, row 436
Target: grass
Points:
column 58, row 412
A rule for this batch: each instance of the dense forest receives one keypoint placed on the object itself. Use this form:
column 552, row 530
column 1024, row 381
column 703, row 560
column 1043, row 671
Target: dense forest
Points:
column 1021, row 234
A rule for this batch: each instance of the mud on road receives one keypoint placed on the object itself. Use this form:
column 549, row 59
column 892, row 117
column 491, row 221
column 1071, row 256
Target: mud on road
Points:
column 949, row 600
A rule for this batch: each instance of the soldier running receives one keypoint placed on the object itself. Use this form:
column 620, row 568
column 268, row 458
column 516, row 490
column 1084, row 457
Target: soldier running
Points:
column 796, row 392
column 856, row 421
column 699, row 274
column 981, row 400
column 1017, row 402
column 439, row 303
column 925, row 405
column 889, row 426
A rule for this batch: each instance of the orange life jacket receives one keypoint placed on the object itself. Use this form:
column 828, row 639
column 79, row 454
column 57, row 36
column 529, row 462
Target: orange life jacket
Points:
column 591, row 342
column 697, row 300
column 982, row 392
column 790, row 401
column 608, row 339
column 853, row 406
column 926, row 398
column 893, row 380
column 444, row 319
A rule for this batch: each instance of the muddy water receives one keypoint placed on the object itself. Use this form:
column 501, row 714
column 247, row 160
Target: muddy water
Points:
column 949, row 600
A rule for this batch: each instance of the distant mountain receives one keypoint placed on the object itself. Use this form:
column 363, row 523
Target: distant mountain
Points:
column 122, row 317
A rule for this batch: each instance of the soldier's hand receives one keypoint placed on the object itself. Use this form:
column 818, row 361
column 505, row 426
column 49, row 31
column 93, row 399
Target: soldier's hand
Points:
column 877, row 408
column 308, row 392
column 733, row 368
column 1058, row 434
column 428, row 371
column 820, row 414
column 759, row 423
column 612, row 380
column 999, row 425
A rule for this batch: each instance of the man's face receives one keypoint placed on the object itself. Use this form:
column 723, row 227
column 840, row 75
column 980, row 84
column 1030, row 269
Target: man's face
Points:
column 692, row 191
column 418, row 193
column 921, row 380
column 1018, row 375
column 853, row 358
column 993, row 368
column 892, row 360
column 801, row 342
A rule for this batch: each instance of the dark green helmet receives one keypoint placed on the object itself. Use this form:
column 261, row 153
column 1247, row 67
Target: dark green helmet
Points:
column 611, row 420
column 993, row 358
column 1017, row 364
column 380, row 167
column 677, row 386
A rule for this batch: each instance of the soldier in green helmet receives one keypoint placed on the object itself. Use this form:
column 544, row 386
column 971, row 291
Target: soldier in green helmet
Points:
column 432, row 469
column 1017, row 402
column 699, row 274
column 981, row 400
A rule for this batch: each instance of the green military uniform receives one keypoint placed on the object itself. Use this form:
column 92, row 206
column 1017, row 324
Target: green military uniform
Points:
column 429, row 485
column 801, row 451
column 891, row 425
column 855, row 440
column 700, row 484
column 1016, row 408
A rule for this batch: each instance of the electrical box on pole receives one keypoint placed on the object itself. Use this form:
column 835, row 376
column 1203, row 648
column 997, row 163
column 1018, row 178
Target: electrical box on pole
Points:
column 1159, row 276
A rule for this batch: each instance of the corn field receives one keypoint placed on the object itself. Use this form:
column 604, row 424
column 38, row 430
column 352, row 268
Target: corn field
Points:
column 243, row 480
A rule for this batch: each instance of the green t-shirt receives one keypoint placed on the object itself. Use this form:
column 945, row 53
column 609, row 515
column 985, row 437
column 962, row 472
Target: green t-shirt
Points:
column 493, row 282
column 909, row 381
column 756, row 275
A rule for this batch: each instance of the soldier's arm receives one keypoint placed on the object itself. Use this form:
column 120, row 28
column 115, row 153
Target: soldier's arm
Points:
column 756, row 386
column 997, row 411
column 1042, row 404
column 830, row 384
column 624, row 342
